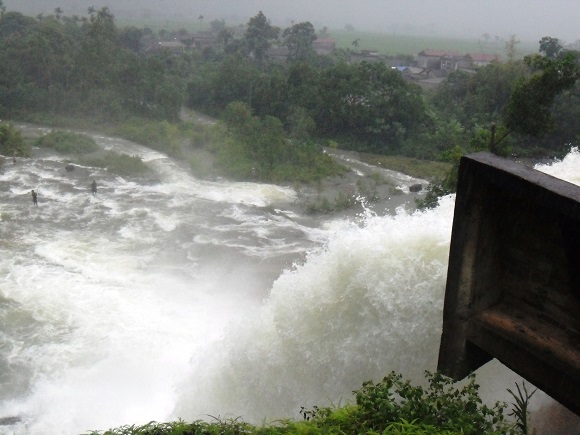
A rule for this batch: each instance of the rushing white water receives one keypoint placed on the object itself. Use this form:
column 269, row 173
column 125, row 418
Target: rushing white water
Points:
column 368, row 303
column 168, row 297
column 567, row 169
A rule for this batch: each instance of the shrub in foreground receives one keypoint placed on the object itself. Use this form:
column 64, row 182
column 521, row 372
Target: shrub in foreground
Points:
column 391, row 406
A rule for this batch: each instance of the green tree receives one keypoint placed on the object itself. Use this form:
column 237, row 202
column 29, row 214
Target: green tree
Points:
column 528, row 112
column 259, row 35
column 300, row 124
column 264, row 138
column 217, row 25
column 97, row 59
column 130, row 38
column 237, row 115
column 566, row 113
column 11, row 142
column 97, row 66
column 50, row 50
column 303, row 86
column 270, row 93
column 511, row 48
column 529, row 109
column 225, row 36
column 372, row 102
column 15, row 25
column 168, row 100
column 550, row 47
column 269, row 144
column 34, row 62
column 480, row 97
column 234, row 81
column 299, row 39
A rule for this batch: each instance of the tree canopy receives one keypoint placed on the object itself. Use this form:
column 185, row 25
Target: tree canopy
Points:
column 88, row 66
column 529, row 109
column 12, row 143
column 299, row 39
column 259, row 36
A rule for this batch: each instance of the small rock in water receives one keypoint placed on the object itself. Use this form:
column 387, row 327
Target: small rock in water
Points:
column 7, row 421
column 415, row 188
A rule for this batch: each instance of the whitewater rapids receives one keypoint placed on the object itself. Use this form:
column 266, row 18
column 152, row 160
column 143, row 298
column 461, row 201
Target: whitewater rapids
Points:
column 166, row 297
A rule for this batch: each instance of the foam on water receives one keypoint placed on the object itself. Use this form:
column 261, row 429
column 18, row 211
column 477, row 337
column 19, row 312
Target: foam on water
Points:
column 567, row 169
column 111, row 342
column 368, row 303
column 151, row 301
column 104, row 299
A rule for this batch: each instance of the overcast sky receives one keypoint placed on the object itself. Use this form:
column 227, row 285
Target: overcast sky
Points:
column 529, row 20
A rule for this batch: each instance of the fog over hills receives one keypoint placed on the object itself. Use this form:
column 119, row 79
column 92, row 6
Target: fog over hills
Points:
column 527, row 19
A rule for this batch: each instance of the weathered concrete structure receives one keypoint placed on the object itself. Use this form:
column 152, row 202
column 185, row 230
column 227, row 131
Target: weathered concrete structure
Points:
column 513, row 284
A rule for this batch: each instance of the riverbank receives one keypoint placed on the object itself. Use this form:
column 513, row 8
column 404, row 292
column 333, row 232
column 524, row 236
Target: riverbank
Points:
column 381, row 183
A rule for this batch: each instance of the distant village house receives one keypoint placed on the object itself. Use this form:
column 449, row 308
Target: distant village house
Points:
column 175, row 47
column 324, row 46
column 442, row 60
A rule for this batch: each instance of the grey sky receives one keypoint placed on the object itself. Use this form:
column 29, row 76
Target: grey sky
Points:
column 528, row 19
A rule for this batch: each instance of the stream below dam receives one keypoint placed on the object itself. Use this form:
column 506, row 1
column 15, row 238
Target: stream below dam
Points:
column 167, row 296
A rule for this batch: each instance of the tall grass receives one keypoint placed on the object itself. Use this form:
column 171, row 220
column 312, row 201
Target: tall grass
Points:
column 160, row 135
column 116, row 163
column 68, row 142
column 425, row 169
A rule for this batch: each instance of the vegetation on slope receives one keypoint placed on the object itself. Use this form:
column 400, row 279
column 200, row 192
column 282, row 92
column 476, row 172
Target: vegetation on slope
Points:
column 83, row 149
column 391, row 406
column 12, row 143
column 88, row 66
column 67, row 142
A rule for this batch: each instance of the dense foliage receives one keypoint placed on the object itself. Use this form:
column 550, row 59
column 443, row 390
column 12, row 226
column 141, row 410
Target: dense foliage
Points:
column 260, row 150
column 116, row 163
column 67, row 142
column 12, row 143
column 83, row 149
column 83, row 66
column 87, row 66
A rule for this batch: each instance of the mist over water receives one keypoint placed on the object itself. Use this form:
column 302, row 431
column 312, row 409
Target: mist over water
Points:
column 369, row 302
column 167, row 297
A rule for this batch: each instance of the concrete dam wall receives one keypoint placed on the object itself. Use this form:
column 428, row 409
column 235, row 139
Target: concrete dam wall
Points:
column 513, row 283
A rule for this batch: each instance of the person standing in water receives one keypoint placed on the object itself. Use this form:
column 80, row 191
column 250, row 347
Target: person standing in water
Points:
column 94, row 187
column 34, row 197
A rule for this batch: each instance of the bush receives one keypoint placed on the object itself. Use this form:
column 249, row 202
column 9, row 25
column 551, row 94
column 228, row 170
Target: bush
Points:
column 67, row 142
column 392, row 406
column 120, row 164
column 12, row 143
column 161, row 136
column 441, row 405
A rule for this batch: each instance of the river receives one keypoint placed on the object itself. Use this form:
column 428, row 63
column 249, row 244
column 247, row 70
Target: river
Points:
column 165, row 296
